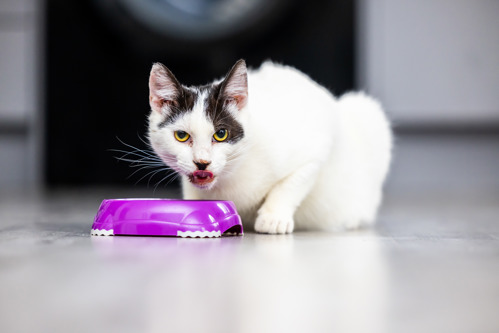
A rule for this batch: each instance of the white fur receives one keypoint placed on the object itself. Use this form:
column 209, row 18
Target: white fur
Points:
column 307, row 161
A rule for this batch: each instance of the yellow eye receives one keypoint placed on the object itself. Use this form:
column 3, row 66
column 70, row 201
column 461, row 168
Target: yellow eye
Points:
column 181, row 136
column 221, row 135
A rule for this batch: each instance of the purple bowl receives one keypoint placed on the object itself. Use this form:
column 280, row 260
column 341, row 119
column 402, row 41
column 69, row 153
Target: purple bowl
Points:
column 165, row 217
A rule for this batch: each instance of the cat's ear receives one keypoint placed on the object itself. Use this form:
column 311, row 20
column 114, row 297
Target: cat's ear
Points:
column 234, row 87
column 164, row 89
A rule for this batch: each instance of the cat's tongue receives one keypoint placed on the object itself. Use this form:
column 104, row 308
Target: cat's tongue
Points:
column 202, row 175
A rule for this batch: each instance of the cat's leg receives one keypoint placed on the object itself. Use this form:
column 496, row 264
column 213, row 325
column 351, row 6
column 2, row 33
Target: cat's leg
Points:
column 275, row 216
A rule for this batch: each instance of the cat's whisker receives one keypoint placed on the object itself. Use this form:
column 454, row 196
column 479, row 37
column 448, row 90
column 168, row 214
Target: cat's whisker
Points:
column 147, row 143
column 126, row 157
column 140, row 169
column 164, row 178
column 237, row 152
column 139, row 163
column 184, row 165
column 150, row 178
column 146, row 167
column 152, row 173
column 135, row 149
column 172, row 179
column 127, row 154
column 136, row 152
column 236, row 155
column 144, row 159
column 141, row 160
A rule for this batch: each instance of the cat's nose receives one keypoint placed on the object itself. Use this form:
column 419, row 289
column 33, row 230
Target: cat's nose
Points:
column 202, row 164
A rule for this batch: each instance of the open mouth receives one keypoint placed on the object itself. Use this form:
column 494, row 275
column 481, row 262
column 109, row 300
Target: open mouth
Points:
column 202, row 177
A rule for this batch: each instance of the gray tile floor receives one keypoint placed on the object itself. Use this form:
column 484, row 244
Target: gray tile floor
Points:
column 431, row 264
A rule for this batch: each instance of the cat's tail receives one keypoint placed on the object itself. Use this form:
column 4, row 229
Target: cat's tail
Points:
column 367, row 119
column 368, row 136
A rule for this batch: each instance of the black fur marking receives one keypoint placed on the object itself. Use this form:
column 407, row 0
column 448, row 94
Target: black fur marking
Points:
column 216, row 108
column 220, row 116
column 183, row 104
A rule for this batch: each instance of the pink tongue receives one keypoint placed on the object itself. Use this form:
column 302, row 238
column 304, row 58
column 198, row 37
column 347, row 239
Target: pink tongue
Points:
column 202, row 174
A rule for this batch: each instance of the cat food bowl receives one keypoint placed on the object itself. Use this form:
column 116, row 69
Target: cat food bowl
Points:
column 165, row 217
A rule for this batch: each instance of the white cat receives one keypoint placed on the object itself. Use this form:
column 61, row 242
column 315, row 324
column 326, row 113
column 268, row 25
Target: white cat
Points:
column 281, row 147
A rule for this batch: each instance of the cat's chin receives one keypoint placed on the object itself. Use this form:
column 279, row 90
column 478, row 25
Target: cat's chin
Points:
column 203, row 186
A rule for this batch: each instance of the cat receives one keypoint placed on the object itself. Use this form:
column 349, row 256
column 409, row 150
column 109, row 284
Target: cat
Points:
column 280, row 146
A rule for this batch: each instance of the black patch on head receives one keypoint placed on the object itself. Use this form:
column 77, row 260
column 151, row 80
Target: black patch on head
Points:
column 216, row 109
column 183, row 104
column 220, row 116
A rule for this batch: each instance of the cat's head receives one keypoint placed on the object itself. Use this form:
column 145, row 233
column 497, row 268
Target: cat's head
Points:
column 198, row 131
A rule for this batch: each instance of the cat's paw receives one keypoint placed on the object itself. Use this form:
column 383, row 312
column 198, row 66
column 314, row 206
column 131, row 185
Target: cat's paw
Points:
column 270, row 223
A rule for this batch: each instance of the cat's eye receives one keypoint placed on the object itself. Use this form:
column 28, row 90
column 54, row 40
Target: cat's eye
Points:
column 181, row 136
column 221, row 135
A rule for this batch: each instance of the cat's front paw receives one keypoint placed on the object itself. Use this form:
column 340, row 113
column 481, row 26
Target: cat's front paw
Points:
column 270, row 223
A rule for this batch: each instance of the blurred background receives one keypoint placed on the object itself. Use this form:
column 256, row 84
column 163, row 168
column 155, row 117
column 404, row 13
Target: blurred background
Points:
column 73, row 77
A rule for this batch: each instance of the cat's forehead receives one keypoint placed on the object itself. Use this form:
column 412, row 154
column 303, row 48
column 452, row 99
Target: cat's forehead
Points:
column 196, row 119
column 206, row 98
column 205, row 101
column 190, row 99
column 194, row 98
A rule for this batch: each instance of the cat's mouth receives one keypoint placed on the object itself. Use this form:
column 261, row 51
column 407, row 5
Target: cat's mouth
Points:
column 201, row 178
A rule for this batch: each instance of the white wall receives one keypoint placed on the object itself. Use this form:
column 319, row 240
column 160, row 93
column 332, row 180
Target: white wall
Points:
column 431, row 62
column 20, row 111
